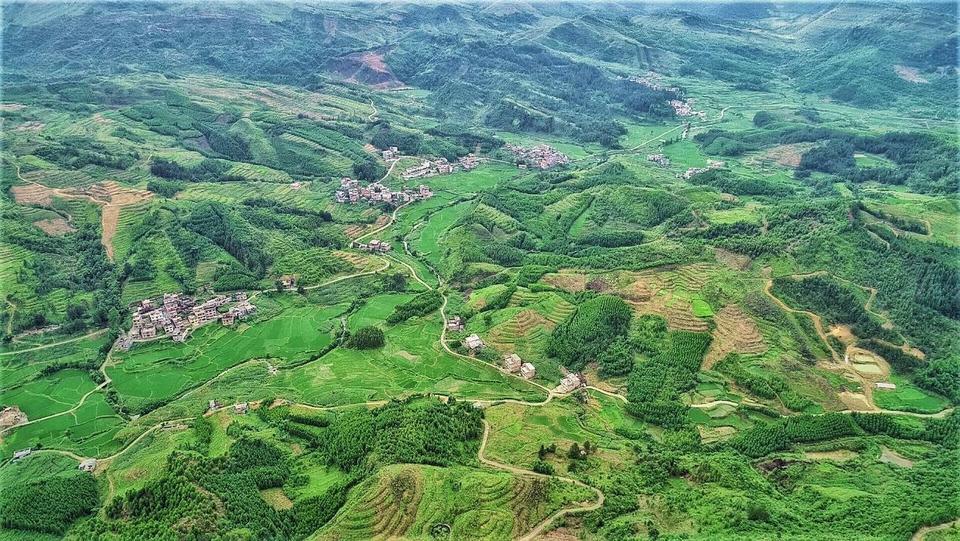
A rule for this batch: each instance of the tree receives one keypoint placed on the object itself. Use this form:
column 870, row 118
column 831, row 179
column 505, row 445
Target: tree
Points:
column 575, row 453
column 366, row 338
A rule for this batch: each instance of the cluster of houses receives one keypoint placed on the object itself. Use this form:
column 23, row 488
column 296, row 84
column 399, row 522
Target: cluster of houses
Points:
column 711, row 164
column 390, row 153
column 651, row 80
column 685, row 108
column 428, row 168
column 514, row 365
column 239, row 408
column 540, row 156
column 375, row 245
column 87, row 464
column 351, row 192
column 469, row 161
column 659, row 159
column 178, row 314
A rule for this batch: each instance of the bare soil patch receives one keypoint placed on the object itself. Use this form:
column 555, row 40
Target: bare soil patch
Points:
column 33, row 194
column 736, row 332
column 787, row 155
column 732, row 259
column 855, row 401
column 30, row 126
column 909, row 74
column 54, row 227
column 892, row 457
column 572, row 282
column 710, row 434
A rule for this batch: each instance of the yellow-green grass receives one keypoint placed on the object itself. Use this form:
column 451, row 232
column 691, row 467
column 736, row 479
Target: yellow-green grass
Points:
column 701, row 308
column 480, row 297
column 88, row 431
column 146, row 459
column 428, row 241
column 908, row 397
column 407, row 501
column 518, row 431
column 162, row 369
column 484, row 176
column 16, row 370
column 411, row 361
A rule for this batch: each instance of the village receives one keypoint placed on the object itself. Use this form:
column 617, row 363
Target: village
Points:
column 540, row 156
column 352, row 192
column 693, row 171
column 179, row 314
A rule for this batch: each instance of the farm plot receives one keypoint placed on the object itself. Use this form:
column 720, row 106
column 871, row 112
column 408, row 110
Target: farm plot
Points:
column 158, row 371
column 50, row 394
column 518, row 431
column 470, row 182
column 736, row 332
column 88, row 431
column 428, row 241
column 411, row 361
column 409, row 501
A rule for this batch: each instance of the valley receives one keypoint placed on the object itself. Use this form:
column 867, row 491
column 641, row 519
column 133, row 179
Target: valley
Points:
column 491, row 271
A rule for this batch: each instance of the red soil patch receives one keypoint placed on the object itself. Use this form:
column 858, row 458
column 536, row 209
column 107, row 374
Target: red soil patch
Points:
column 54, row 227
column 736, row 333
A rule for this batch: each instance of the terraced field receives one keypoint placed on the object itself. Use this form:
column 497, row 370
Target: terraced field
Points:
column 411, row 502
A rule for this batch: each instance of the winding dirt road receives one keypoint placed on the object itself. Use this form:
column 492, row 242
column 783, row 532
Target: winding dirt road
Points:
column 539, row 528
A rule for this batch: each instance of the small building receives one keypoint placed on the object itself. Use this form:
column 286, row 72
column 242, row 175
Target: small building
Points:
column 88, row 465
column 214, row 405
column 885, row 385
column 455, row 324
column 17, row 455
column 473, row 343
column 148, row 332
column 288, row 280
column 512, row 362
column 528, row 371
column 570, row 382
column 241, row 408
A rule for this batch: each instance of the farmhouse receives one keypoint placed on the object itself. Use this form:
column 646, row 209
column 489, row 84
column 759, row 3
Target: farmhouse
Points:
column 88, row 465
column 659, row 159
column 241, row 408
column 512, row 362
column 17, row 455
column 473, row 343
column 455, row 324
column 428, row 168
column 288, row 280
column 374, row 245
column 528, row 371
column 570, row 382
column 390, row 153
column 885, row 386
column 214, row 405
